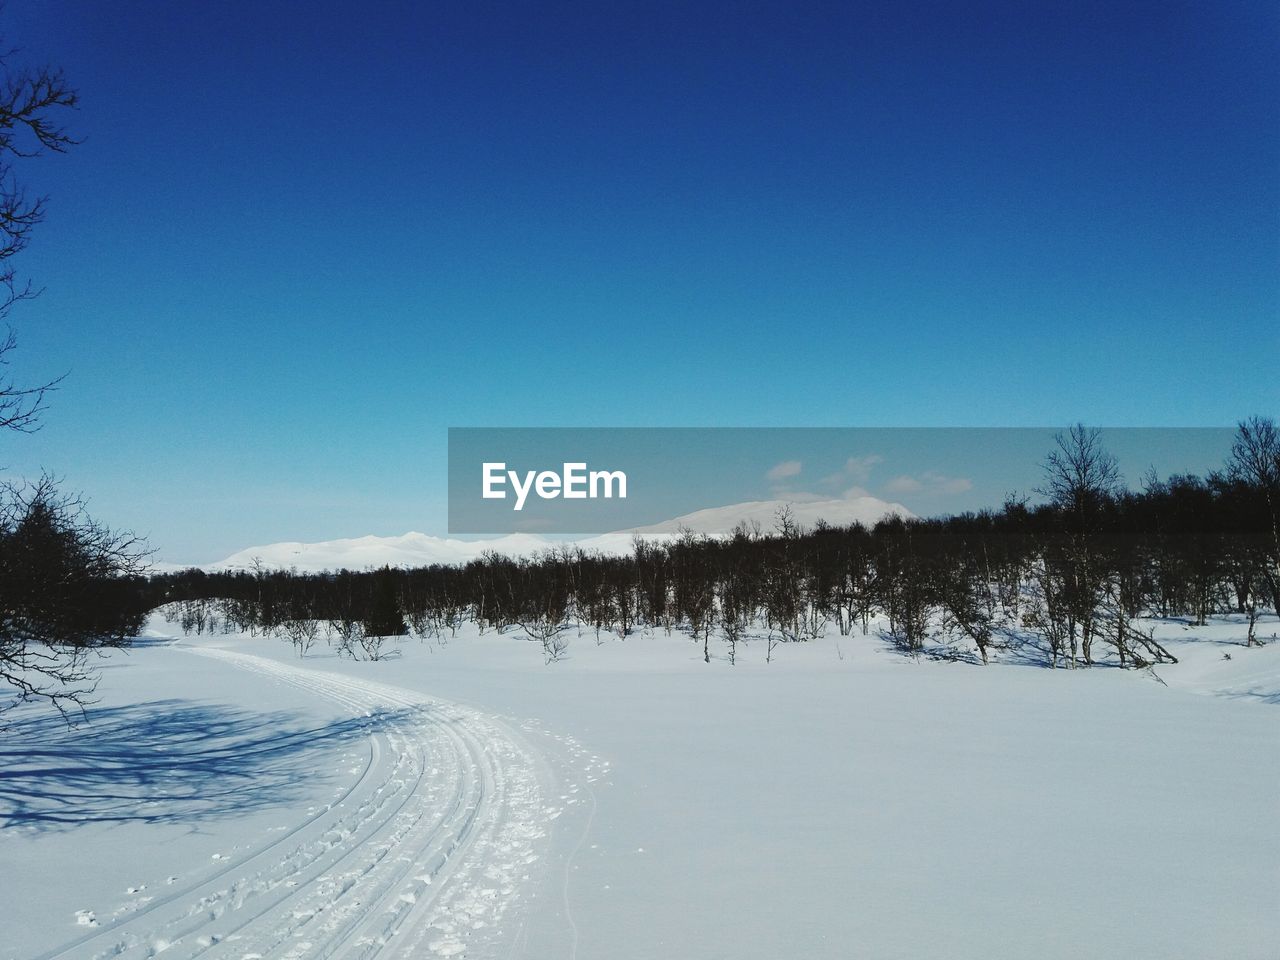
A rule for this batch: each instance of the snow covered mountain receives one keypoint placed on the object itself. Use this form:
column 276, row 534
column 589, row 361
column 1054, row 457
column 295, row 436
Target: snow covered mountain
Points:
column 420, row 549
column 360, row 553
column 722, row 520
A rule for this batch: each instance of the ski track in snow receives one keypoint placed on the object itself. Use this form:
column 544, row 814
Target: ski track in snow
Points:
column 425, row 854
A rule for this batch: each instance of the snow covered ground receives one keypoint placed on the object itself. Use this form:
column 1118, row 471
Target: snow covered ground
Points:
column 464, row 799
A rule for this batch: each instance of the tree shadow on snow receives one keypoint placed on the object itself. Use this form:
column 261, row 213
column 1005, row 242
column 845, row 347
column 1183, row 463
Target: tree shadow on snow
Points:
column 1256, row 694
column 167, row 761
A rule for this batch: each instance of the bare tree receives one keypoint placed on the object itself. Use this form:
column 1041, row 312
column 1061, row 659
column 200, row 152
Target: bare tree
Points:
column 1255, row 453
column 1080, row 475
column 302, row 632
column 1081, row 480
column 733, row 623
column 64, row 579
column 1255, row 461
column 371, row 644
column 549, row 631
column 345, row 616
column 546, row 620
column 962, row 596
column 66, row 591
column 29, row 103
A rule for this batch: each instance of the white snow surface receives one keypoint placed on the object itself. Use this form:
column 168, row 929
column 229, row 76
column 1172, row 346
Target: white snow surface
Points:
column 229, row 800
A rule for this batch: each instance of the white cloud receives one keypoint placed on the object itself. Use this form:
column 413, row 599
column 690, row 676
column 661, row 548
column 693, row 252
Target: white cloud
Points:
column 787, row 468
column 859, row 468
column 856, row 470
column 929, row 483
column 903, row 484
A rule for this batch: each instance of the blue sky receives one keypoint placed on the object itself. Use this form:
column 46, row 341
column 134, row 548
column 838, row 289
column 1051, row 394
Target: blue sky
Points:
column 300, row 241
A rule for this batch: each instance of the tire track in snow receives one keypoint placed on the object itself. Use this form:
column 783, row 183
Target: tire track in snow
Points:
column 425, row 854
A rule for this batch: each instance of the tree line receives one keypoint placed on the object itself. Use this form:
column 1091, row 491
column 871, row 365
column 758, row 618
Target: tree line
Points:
column 1069, row 579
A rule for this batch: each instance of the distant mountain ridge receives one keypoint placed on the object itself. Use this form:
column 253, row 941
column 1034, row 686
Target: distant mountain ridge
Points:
column 359, row 553
column 419, row 549
column 839, row 513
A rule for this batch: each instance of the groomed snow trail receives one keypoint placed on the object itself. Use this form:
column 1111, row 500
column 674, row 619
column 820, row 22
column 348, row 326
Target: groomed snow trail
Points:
column 429, row 852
